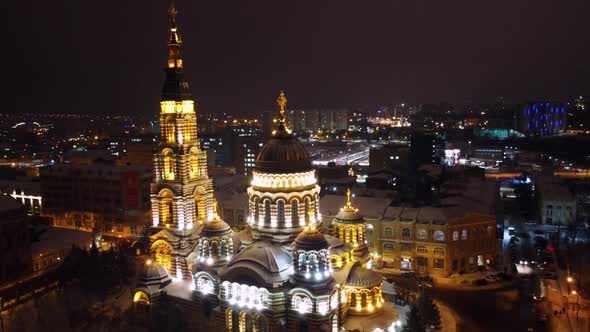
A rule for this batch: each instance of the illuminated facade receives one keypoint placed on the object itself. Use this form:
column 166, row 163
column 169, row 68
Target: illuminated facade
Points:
column 543, row 118
column 281, row 273
column 182, row 193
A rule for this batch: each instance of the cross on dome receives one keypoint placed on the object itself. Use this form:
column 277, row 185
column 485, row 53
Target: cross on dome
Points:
column 349, row 201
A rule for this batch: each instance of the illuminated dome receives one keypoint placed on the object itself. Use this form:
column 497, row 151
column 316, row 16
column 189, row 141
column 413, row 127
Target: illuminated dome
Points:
column 283, row 153
column 311, row 240
column 215, row 246
column 215, row 227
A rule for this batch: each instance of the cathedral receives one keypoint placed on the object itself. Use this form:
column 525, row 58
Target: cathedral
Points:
column 289, row 270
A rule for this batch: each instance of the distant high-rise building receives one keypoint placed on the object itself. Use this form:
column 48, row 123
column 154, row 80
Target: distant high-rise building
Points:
column 427, row 148
column 543, row 118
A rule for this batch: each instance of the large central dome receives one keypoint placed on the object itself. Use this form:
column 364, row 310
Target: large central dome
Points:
column 283, row 153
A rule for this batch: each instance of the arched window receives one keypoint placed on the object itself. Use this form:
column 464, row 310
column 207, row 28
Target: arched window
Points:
column 422, row 234
column 388, row 231
column 256, row 209
column 302, row 263
column 464, row 234
column 302, row 303
column 281, row 212
column 388, row 246
column 168, row 165
column 406, row 233
column 267, row 211
column 370, row 228
column 170, row 130
column 196, row 210
column 455, row 235
column 295, row 212
column 439, row 236
column 306, row 212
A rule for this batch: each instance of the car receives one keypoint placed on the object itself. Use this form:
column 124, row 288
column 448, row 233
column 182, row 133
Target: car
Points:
column 538, row 232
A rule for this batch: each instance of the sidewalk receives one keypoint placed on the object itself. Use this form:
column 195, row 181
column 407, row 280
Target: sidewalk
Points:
column 577, row 308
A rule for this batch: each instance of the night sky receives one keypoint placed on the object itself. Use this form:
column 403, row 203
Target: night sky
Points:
column 107, row 56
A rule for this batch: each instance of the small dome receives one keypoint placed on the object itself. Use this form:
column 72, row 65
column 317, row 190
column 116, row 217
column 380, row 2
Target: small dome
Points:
column 154, row 275
column 311, row 239
column 349, row 215
column 215, row 227
column 362, row 278
column 283, row 153
column 155, row 271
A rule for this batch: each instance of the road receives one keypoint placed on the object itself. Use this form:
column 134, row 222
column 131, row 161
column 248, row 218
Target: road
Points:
column 487, row 310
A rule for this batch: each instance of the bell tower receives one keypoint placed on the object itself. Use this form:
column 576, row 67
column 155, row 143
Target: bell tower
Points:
column 182, row 193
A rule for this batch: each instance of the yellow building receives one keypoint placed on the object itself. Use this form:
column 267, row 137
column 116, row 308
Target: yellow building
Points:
column 457, row 237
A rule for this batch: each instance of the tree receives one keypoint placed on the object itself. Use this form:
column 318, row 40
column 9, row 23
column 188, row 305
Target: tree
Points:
column 414, row 322
column 428, row 311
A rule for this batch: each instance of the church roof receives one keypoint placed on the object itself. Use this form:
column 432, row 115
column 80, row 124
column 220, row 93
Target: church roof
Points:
column 262, row 263
column 362, row 278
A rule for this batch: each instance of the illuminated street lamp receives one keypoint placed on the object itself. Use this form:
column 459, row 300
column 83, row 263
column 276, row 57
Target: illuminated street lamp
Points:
column 570, row 279
column 577, row 303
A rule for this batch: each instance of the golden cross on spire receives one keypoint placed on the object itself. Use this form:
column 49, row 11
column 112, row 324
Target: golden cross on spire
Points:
column 172, row 12
column 348, row 201
column 282, row 102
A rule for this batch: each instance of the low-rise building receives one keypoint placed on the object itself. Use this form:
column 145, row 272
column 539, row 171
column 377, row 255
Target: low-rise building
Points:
column 457, row 236
column 557, row 203
column 53, row 244
column 108, row 198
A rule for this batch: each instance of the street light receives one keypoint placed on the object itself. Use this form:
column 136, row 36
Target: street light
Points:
column 577, row 304
column 569, row 279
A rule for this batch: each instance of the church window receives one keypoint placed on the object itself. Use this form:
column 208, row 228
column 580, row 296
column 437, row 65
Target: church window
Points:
column 267, row 211
column 281, row 211
column 295, row 212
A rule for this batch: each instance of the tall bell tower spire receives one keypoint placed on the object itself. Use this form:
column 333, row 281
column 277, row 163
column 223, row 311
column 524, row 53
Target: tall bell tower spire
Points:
column 182, row 192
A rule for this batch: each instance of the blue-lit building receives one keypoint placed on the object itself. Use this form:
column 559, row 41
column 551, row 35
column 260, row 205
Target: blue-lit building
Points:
column 543, row 118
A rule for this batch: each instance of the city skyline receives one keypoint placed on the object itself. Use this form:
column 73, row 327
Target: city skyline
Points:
column 324, row 55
